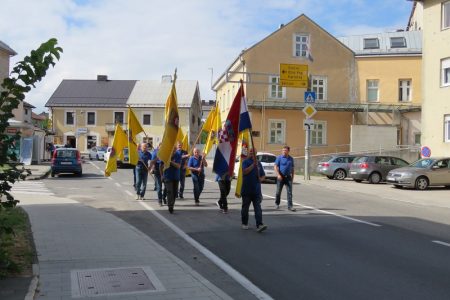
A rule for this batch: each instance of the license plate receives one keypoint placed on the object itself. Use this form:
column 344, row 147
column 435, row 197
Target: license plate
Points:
column 268, row 168
column 66, row 163
column 353, row 172
column 390, row 179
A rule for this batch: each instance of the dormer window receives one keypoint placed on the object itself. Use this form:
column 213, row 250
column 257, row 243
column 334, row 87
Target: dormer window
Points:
column 398, row 42
column 371, row 43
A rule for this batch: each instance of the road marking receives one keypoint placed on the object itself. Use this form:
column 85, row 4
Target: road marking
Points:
column 442, row 243
column 117, row 184
column 129, row 193
column 211, row 256
column 110, row 178
column 329, row 213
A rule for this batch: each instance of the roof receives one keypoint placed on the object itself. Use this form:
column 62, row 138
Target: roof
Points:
column 349, row 107
column 155, row 92
column 413, row 43
column 92, row 93
column 26, row 104
column 38, row 117
column 6, row 48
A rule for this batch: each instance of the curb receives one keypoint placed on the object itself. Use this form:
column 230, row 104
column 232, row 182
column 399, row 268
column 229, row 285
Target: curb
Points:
column 39, row 177
column 32, row 289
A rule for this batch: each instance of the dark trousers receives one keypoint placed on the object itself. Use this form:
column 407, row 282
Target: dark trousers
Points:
column 224, row 186
column 171, row 186
column 256, row 200
column 198, row 182
column 182, row 180
column 141, row 180
column 158, row 184
column 287, row 180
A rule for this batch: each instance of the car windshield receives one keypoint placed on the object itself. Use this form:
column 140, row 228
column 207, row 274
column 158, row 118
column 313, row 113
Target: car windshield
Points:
column 325, row 159
column 66, row 154
column 423, row 163
column 267, row 158
column 361, row 159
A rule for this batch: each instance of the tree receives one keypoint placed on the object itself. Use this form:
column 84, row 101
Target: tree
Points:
column 22, row 78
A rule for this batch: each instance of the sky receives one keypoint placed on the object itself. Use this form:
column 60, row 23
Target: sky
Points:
column 146, row 39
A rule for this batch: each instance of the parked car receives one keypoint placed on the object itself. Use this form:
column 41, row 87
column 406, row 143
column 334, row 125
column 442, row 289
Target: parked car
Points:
column 66, row 160
column 97, row 153
column 335, row 166
column 125, row 161
column 422, row 174
column 267, row 161
column 107, row 153
column 374, row 168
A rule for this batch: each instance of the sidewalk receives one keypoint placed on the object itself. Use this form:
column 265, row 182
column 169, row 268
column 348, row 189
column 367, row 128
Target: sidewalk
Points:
column 85, row 252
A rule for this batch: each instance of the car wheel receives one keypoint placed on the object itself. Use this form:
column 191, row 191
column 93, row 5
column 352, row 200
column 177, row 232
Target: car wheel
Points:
column 357, row 180
column 79, row 174
column 421, row 183
column 339, row 174
column 329, row 177
column 375, row 178
column 398, row 186
column 52, row 174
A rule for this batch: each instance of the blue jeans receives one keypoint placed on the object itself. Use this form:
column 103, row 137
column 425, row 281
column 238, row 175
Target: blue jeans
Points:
column 182, row 180
column 256, row 200
column 287, row 180
column 198, row 182
column 141, row 180
column 158, row 184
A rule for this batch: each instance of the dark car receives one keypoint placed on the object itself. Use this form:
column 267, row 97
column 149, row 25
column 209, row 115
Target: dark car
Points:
column 374, row 168
column 66, row 160
column 335, row 166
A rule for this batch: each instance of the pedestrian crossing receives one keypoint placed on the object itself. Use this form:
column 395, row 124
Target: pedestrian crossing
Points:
column 31, row 187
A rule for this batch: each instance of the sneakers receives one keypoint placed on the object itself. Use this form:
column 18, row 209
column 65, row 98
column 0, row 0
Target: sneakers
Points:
column 224, row 211
column 160, row 203
column 181, row 197
column 138, row 197
column 261, row 228
column 218, row 204
column 277, row 206
column 245, row 227
column 292, row 209
column 171, row 210
column 197, row 203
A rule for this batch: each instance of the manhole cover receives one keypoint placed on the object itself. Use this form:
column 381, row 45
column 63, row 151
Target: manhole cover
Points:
column 100, row 282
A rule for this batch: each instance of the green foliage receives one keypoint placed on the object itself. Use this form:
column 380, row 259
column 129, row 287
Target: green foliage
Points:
column 23, row 77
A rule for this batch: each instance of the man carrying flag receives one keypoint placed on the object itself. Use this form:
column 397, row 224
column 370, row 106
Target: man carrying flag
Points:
column 134, row 128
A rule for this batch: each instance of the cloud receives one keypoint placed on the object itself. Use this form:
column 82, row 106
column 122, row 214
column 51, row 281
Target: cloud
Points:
column 145, row 39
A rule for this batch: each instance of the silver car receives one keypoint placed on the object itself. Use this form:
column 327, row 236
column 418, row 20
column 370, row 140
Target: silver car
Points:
column 374, row 168
column 422, row 174
column 335, row 166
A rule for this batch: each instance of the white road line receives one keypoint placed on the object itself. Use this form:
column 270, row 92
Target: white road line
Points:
column 110, row 178
column 95, row 166
column 211, row 256
column 129, row 193
column 441, row 243
column 117, row 184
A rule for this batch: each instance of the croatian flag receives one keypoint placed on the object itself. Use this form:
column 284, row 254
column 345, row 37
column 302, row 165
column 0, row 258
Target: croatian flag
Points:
column 228, row 138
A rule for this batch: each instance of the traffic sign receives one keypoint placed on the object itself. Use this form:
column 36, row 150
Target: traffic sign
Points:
column 308, row 124
column 425, row 151
column 310, row 97
column 309, row 110
column 294, row 75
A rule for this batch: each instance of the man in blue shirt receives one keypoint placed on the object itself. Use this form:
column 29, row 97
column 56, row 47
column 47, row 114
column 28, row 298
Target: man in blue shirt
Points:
column 253, row 174
column 284, row 167
column 197, row 164
column 171, row 176
column 184, row 157
column 142, row 170
column 155, row 165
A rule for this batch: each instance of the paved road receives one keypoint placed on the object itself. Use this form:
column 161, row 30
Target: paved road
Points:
column 350, row 242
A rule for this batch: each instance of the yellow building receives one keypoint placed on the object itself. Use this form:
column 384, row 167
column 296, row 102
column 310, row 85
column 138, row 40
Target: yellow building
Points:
column 84, row 112
column 436, row 76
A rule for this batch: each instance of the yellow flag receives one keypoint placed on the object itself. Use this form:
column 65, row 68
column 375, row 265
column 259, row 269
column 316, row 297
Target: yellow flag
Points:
column 216, row 125
column 180, row 135
column 171, row 128
column 244, row 141
column 120, row 141
column 134, row 128
column 209, row 120
column 185, row 147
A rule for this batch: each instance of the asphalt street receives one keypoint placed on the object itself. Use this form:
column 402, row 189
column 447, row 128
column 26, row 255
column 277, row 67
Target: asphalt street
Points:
column 340, row 244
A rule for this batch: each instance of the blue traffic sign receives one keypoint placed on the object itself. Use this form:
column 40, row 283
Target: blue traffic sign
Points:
column 310, row 97
column 425, row 151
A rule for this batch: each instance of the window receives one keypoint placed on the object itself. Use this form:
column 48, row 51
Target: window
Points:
column 26, row 111
column 301, row 45
column 398, row 42
column 318, row 134
column 276, row 91
column 146, row 119
column 90, row 119
column 276, row 131
column 372, row 90
column 417, row 138
column 319, row 85
column 371, row 43
column 119, row 117
column 404, row 90
column 445, row 67
column 447, row 128
column 446, row 15
column 70, row 118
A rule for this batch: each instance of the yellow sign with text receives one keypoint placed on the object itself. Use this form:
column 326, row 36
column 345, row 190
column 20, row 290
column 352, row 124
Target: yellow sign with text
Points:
column 293, row 75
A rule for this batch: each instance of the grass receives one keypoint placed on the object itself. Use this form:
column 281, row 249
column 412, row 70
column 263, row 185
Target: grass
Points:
column 16, row 247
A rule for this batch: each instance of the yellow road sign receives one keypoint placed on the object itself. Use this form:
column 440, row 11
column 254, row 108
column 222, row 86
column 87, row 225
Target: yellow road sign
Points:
column 309, row 110
column 294, row 75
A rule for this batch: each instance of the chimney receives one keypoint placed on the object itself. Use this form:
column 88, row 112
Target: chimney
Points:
column 102, row 77
column 281, row 26
column 166, row 79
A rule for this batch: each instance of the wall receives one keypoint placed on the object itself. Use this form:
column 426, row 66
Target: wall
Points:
column 365, row 138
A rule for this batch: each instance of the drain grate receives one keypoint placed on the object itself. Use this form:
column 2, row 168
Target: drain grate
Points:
column 100, row 282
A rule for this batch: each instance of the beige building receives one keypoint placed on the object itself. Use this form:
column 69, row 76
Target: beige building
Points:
column 436, row 76
column 84, row 112
column 276, row 111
